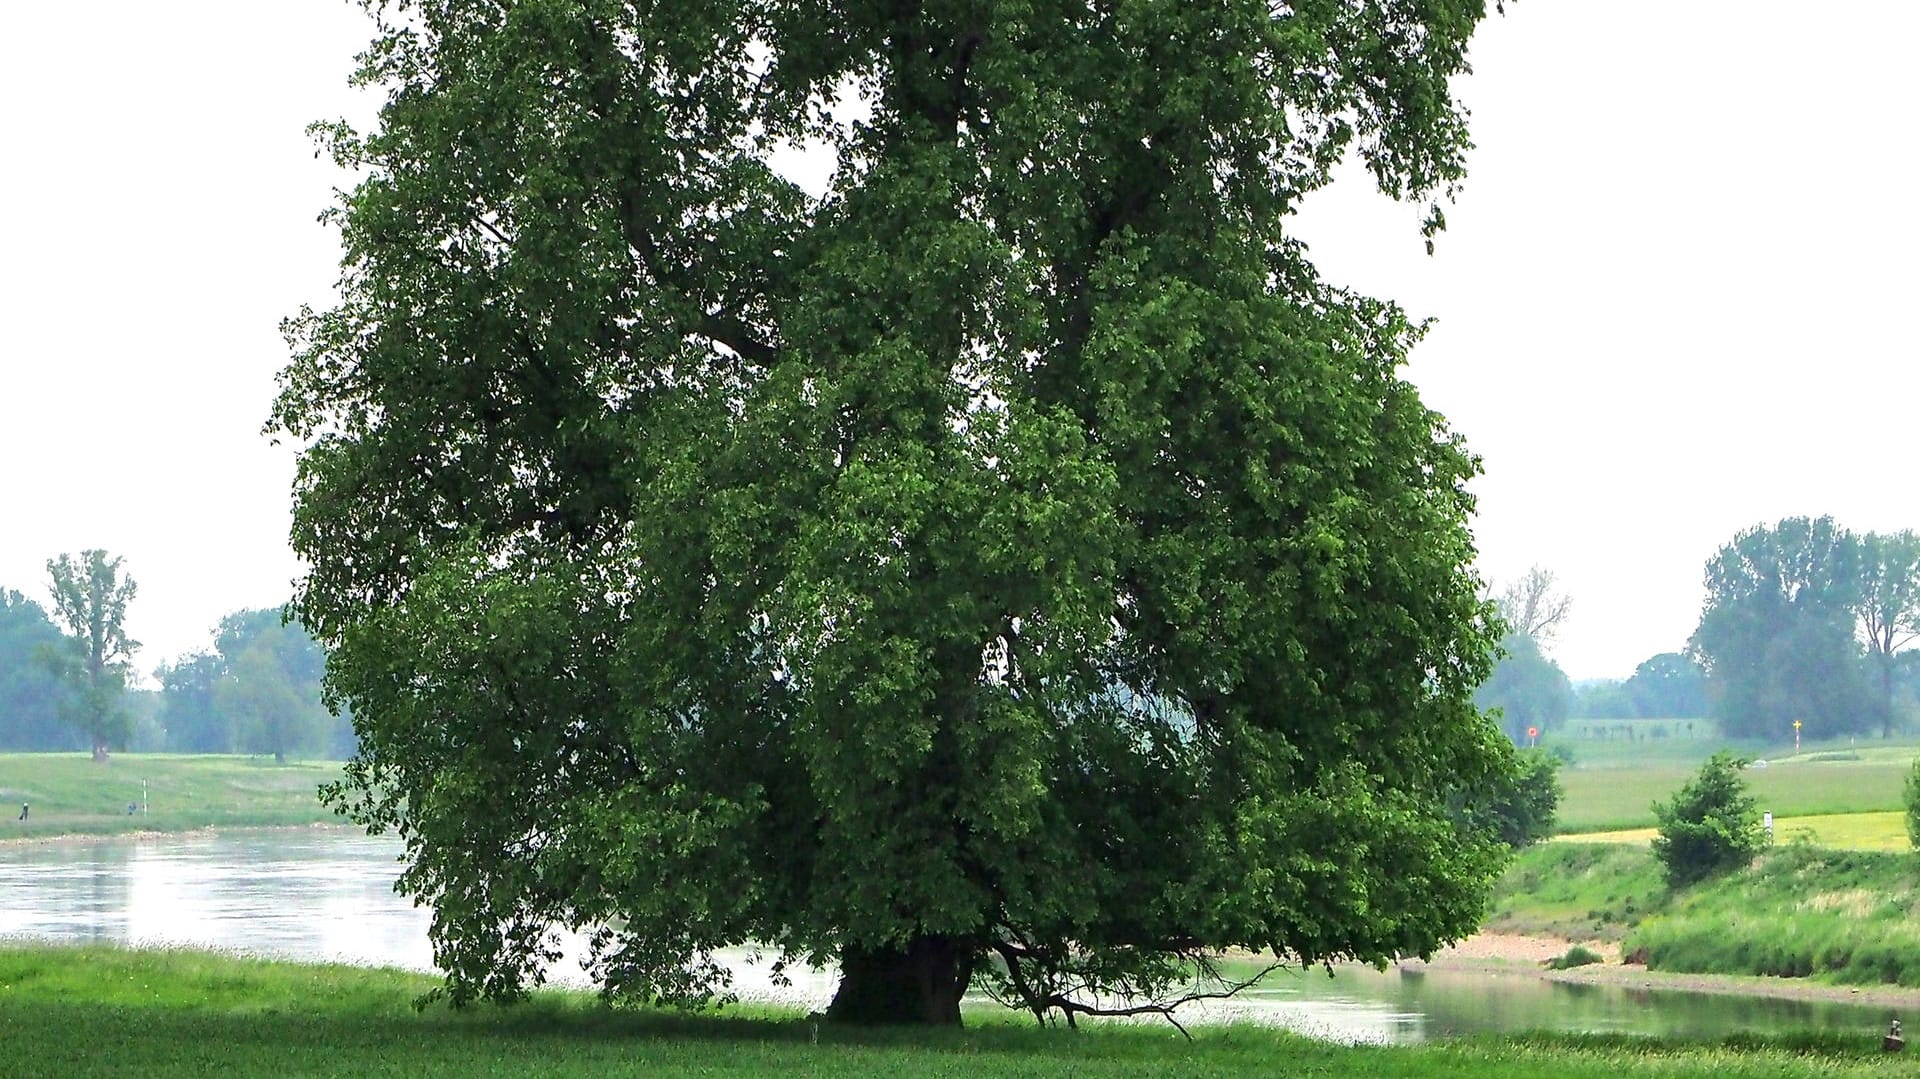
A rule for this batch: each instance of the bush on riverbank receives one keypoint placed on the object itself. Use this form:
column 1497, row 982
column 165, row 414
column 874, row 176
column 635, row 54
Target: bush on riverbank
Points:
column 105, row 1011
column 1846, row 916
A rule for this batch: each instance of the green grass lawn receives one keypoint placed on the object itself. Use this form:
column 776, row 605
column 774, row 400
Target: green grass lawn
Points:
column 70, row 793
column 1837, row 831
column 107, row 1012
column 1608, row 799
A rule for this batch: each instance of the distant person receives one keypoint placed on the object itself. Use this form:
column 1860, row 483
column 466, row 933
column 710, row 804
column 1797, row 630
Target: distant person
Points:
column 23, row 811
column 132, row 808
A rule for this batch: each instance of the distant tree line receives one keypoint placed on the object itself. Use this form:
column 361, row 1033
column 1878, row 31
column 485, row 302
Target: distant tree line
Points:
column 256, row 691
column 1803, row 620
column 65, row 678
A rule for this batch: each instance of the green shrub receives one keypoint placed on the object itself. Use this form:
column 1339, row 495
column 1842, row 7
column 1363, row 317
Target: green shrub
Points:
column 1712, row 824
column 1577, row 956
column 1521, row 809
column 1911, row 799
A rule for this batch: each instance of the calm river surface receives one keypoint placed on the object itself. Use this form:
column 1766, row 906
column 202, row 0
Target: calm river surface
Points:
column 329, row 896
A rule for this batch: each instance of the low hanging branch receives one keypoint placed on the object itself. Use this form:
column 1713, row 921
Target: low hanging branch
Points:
column 1067, row 1000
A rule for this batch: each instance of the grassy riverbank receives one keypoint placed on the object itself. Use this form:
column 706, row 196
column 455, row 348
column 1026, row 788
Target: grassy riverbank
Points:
column 71, row 794
column 108, row 1012
column 1845, row 917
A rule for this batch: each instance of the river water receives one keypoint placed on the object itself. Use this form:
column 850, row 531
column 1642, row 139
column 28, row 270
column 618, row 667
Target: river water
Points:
column 329, row 896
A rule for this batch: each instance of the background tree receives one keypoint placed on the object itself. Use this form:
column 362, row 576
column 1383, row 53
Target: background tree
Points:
column 269, row 690
column 1669, row 685
column 1527, row 689
column 31, row 694
column 90, row 597
column 258, row 691
column 193, row 720
column 1888, row 608
column 708, row 560
column 1532, row 608
column 1776, row 635
column 1605, row 698
column 1520, row 807
column 1712, row 824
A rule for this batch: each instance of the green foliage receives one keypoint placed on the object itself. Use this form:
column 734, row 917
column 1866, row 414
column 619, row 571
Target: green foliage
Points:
column 1670, row 684
column 1777, row 634
column 1519, row 806
column 1801, row 911
column 1712, row 825
column 1888, row 609
column 31, row 692
column 1577, row 956
column 1910, row 801
column 259, row 691
column 90, row 597
column 1015, row 552
column 1526, row 688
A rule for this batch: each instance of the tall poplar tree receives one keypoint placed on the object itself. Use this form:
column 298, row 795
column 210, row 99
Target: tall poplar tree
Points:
column 1005, row 562
column 90, row 597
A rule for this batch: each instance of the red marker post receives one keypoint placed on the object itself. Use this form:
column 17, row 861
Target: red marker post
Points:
column 1532, row 733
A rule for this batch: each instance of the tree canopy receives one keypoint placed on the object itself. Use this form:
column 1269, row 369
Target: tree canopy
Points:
column 90, row 597
column 258, row 691
column 1527, row 688
column 1803, row 621
column 31, row 691
column 1008, row 548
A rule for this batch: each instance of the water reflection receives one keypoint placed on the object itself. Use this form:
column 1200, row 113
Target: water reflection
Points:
column 329, row 896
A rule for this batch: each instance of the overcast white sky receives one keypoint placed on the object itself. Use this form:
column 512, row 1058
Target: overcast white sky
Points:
column 1674, row 299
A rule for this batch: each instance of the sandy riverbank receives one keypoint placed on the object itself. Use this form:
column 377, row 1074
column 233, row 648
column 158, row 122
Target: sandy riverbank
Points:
column 1518, row 952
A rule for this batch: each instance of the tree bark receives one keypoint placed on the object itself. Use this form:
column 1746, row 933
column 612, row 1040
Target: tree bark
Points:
column 918, row 983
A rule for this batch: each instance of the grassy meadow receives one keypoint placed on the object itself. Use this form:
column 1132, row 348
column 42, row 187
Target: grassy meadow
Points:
column 96, row 1011
column 1621, row 767
column 72, row 794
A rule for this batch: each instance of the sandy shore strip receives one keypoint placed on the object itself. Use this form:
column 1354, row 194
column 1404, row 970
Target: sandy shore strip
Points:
column 1514, row 952
column 149, row 835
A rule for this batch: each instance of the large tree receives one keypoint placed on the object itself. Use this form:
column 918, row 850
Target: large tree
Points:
column 1667, row 686
column 90, row 597
column 1776, row 634
column 1888, row 607
column 1526, row 688
column 1532, row 607
column 31, row 692
column 258, row 691
column 1007, row 562
column 269, row 691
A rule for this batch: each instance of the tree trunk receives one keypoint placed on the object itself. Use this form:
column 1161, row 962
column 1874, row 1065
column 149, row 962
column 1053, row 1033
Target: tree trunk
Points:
column 920, row 983
column 1886, row 695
